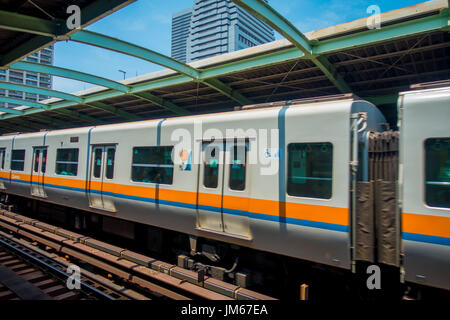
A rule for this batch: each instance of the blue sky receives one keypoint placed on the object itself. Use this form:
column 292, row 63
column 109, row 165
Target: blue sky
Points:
column 148, row 24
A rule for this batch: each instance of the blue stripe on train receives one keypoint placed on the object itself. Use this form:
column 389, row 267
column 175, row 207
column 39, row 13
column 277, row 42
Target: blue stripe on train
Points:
column 426, row 238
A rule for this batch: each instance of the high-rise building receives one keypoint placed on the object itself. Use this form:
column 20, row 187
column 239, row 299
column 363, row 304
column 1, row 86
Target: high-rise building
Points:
column 215, row 27
column 180, row 32
column 44, row 56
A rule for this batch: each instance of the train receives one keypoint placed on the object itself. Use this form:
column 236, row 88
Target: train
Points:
column 322, row 181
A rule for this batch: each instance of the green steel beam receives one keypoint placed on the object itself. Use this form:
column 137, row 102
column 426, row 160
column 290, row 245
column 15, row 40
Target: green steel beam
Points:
column 12, row 111
column 332, row 74
column 25, row 49
column 23, row 102
column 162, row 103
column 70, row 74
column 27, row 24
column 39, row 90
column 114, row 110
column 266, row 13
column 110, row 43
column 39, row 106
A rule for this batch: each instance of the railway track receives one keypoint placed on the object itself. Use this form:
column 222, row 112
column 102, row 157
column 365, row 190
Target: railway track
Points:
column 156, row 279
column 27, row 273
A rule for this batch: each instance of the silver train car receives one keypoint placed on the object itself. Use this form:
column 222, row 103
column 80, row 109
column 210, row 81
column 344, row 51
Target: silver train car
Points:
column 279, row 178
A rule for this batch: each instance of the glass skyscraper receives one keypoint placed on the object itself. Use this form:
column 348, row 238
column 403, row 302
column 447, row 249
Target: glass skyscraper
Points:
column 214, row 27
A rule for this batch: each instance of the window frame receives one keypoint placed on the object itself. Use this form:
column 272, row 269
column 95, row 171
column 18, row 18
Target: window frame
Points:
column 67, row 162
column 23, row 161
column 247, row 149
column 288, row 168
column 152, row 165
column 220, row 148
column 424, row 176
column 3, row 160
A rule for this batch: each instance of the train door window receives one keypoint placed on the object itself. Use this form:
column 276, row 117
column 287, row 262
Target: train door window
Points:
column 238, row 158
column 110, row 155
column 44, row 160
column 98, row 162
column 2, row 158
column 152, row 164
column 37, row 156
column 67, row 162
column 211, row 165
column 18, row 160
column 437, row 172
column 310, row 167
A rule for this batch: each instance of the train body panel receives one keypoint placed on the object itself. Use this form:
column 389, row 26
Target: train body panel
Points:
column 425, row 185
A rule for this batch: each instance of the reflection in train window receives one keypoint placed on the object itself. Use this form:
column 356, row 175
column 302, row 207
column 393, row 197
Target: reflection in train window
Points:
column 67, row 162
column 310, row 167
column 17, row 160
column 44, row 161
column 98, row 152
column 237, row 167
column 2, row 158
column 152, row 164
column 110, row 154
column 211, row 165
column 437, row 172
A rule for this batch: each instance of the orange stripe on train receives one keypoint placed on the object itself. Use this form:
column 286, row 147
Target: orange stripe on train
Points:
column 426, row 224
column 301, row 211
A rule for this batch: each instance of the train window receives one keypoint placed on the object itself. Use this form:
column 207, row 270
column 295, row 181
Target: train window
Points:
column 237, row 167
column 211, row 165
column 152, row 164
column 17, row 160
column 2, row 158
column 437, row 172
column 67, row 162
column 37, row 156
column 110, row 155
column 44, row 160
column 310, row 167
column 98, row 162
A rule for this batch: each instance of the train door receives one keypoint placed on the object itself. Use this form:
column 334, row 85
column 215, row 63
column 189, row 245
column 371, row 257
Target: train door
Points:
column 102, row 172
column 236, row 189
column 223, row 189
column 210, row 186
column 38, row 171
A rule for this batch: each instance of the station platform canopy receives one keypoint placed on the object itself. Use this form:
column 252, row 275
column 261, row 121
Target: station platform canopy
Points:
column 412, row 46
